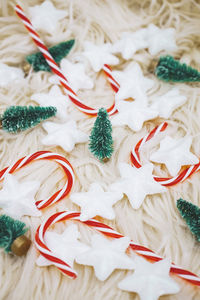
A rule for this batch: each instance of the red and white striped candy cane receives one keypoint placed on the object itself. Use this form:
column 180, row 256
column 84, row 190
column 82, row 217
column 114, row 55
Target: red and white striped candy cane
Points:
column 169, row 181
column 107, row 231
column 46, row 155
column 55, row 68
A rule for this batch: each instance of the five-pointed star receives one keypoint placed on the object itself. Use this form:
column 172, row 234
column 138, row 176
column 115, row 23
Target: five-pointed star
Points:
column 96, row 202
column 161, row 39
column 106, row 255
column 168, row 102
column 17, row 199
column 99, row 55
column 65, row 246
column 9, row 74
column 133, row 114
column 54, row 98
column 130, row 43
column 75, row 74
column 65, row 135
column 175, row 154
column 46, row 17
column 132, row 83
column 137, row 183
column 150, row 280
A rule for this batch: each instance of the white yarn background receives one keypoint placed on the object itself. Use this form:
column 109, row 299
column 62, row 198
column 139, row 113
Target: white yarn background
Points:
column 157, row 224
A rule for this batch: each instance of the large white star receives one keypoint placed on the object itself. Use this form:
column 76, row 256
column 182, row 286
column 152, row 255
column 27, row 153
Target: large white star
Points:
column 46, row 17
column 106, row 255
column 65, row 246
column 54, row 98
column 133, row 114
column 17, row 199
column 9, row 74
column 96, row 202
column 137, row 183
column 161, row 39
column 175, row 154
column 168, row 102
column 75, row 74
column 150, row 280
column 98, row 55
column 65, row 135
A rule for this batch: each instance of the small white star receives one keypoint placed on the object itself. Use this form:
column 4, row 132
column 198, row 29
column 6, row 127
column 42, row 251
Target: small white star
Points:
column 175, row 154
column 98, row 55
column 45, row 16
column 65, row 135
column 137, row 183
column 150, row 280
column 96, row 202
column 9, row 74
column 65, row 246
column 106, row 255
column 17, row 199
column 54, row 98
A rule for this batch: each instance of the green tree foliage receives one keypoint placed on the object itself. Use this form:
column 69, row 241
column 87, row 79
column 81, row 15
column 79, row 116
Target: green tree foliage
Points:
column 191, row 215
column 58, row 52
column 169, row 69
column 101, row 142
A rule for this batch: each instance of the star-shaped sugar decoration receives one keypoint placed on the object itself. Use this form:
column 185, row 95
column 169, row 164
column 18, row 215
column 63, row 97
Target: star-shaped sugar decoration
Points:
column 150, row 280
column 17, row 199
column 66, row 135
column 133, row 114
column 65, row 246
column 133, row 84
column 98, row 55
column 46, row 16
column 137, row 183
column 175, row 154
column 75, row 74
column 161, row 39
column 167, row 103
column 9, row 74
column 54, row 98
column 106, row 255
column 96, row 202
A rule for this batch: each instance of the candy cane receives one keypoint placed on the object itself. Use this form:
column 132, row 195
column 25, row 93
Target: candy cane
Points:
column 47, row 155
column 135, row 159
column 107, row 231
column 55, row 68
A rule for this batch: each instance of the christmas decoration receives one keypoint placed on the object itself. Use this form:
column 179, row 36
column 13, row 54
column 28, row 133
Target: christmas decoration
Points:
column 108, row 232
column 20, row 118
column 191, row 214
column 12, row 237
column 149, row 280
column 170, row 69
column 96, row 202
column 9, row 75
column 58, row 52
column 101, row 143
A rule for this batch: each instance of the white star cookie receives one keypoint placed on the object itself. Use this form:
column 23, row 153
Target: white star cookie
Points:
column 174, row 154
column 150, row 280
column 75, row 74
column 65, row 135
column 98, row 55
column 65, row 246
column 54, row 98
column 96, row 202
column 137, row 183
column 9, row 74
column 106, row 255
column 46, row 17
column 167, row 103
column 17, row 199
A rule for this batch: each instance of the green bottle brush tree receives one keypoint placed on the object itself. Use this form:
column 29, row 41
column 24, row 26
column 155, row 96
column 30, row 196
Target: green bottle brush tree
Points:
column 191, row 214
column 101, row 142
column 20, row 118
